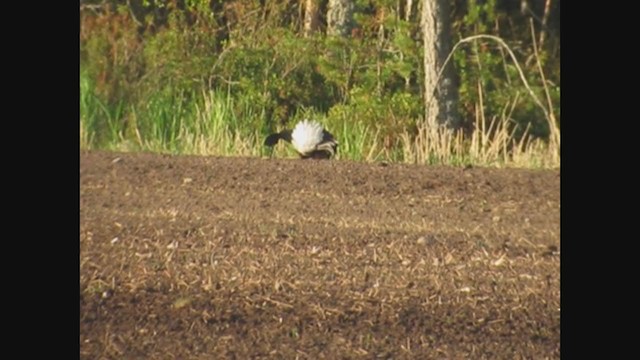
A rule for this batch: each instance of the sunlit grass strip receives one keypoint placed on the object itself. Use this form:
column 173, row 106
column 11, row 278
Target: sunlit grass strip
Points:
column 358, row 142
column 493, row 143
column 208, row 123
column 168, row 123
column 217, row 129
column 496, row 148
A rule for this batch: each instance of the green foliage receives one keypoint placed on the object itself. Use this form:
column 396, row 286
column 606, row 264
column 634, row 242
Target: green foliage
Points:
column 485, row 66
column 101, row 120
column 165, row 75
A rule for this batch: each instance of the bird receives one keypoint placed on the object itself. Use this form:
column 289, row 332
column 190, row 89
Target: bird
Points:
column 309, row 138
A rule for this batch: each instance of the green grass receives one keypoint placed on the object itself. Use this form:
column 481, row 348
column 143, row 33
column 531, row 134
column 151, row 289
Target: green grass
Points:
column 215, row 123
column 98, row 121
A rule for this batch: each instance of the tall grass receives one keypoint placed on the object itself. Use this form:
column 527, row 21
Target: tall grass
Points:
column 204, row 123
column 215, row 123
column 98, row 121
column 357, row 141
column 493, row 143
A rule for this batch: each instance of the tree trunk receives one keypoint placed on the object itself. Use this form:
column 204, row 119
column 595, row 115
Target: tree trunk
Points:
column 545, row 20
column 311, row 17
column 340, row 17
column 407, row 10
column 440, row 95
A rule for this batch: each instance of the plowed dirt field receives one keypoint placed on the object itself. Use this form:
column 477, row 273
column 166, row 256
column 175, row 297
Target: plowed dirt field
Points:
column 187, row 257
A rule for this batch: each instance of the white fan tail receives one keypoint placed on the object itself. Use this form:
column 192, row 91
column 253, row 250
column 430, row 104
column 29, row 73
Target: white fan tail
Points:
column 306, row 136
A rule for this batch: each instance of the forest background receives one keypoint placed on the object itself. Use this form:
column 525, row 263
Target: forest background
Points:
column 215, row 77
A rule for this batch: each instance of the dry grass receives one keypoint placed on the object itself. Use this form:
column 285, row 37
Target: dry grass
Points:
column 84, row 137
column 213, row 128
column 492, row 143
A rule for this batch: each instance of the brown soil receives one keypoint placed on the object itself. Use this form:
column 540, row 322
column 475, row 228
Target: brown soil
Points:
column 203, row 258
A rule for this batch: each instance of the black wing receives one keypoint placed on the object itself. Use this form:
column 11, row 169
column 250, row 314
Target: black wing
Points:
column 273, row 139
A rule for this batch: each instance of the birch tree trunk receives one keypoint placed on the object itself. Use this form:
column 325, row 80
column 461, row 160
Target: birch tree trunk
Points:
column 340, row 17
column 311, row 17
column 440, row 95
